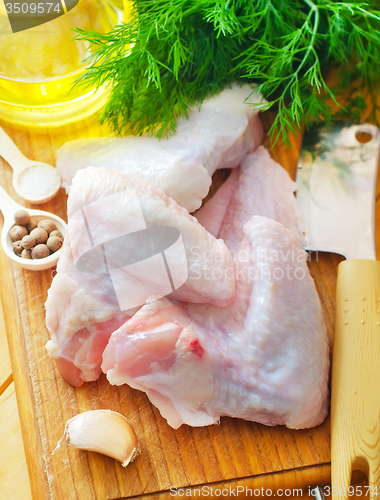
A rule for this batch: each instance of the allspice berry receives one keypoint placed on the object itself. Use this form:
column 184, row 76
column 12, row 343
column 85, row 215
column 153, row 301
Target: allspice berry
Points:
column 34, row 241
column 40, row 235
column 32, row 225
column 17, row 247
column 40, row 251
column 17, row 232
column 26, row 254
column 54, row 243
column 21, row 217
column 28, row 242
column 56, row 233
column 48, row 225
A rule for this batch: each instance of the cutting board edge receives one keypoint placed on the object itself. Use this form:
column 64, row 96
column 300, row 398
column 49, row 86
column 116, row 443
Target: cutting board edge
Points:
column 304, row 478
column 23, row 386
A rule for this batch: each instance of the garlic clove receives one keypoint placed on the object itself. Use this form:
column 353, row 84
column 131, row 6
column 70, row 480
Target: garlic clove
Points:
column 103, row 431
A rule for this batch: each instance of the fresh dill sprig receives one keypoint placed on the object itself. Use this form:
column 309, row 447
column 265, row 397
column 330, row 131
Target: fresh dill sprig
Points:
column 173, row 54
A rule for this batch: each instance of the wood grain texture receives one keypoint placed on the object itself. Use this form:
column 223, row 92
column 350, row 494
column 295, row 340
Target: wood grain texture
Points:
column 232, row 451
column 5, row 360
column 355, row 404
column 14, row 480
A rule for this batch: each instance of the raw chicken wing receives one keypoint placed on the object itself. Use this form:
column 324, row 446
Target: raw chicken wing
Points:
column 119, row 232
column 260, row 186
column 264, row 358
column 219, row 135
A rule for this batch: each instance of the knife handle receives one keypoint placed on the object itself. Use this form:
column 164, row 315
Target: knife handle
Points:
column 355, row 386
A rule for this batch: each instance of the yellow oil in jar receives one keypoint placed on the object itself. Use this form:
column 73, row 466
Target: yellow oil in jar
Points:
column 41, row 92
column 38, row 67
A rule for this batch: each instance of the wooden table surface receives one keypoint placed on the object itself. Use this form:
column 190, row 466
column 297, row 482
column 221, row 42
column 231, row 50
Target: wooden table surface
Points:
column 14, row 479
column 14, row 476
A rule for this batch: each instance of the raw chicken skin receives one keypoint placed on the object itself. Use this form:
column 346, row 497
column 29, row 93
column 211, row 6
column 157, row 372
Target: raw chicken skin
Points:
column 81, row 313
column 83, row 306
column 264, row 358
column 116, row 214
column 219, row 135
column 213, row 212
column 260, row 186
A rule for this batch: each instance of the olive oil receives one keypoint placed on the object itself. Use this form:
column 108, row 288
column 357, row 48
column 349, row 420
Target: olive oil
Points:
column 39, row 66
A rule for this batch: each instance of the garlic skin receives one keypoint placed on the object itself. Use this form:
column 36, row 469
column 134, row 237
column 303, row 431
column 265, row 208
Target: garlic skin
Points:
column 103, row 431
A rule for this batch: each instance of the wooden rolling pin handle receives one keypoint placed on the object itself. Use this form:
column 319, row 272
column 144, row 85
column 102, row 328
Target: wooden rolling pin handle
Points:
column 355, row 387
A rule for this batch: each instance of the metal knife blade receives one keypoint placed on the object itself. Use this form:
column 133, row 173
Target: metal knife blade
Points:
column 336, row 189
column 336, row 185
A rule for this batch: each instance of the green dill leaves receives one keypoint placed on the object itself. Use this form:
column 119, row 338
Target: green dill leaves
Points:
column 173, row 54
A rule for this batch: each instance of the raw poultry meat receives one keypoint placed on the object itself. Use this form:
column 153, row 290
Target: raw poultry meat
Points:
column 264, row 358
column 211, row 215
column 219, row 135
column 260, row 186
column 81, row 313
column 243, row 338
column 89, row 299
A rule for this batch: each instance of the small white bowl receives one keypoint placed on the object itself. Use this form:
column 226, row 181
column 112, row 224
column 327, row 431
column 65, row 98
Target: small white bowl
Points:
column 9, row 207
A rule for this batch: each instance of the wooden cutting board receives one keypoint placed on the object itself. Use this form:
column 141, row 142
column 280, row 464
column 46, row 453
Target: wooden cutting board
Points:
column 233, row 453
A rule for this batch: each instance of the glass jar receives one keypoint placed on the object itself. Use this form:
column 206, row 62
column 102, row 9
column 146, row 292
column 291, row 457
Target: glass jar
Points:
column 39, row 66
